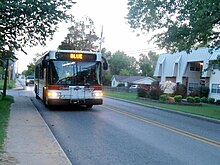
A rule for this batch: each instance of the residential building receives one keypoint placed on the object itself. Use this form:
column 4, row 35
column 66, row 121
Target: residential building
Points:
column 190, row 69
column 131, row 80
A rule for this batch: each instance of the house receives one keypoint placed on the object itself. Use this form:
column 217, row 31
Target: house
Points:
column 190, row 70
column 130, row 80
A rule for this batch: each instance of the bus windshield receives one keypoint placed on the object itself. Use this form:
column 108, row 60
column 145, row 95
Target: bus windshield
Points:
column 74, row 73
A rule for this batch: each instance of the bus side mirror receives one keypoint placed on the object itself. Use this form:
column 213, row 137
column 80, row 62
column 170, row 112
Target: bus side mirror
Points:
column 105, row 66
column 44, row 63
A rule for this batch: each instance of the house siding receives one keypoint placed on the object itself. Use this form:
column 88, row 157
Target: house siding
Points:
column 175, row 68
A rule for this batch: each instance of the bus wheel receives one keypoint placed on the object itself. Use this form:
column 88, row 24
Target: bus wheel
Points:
column 37, row 97
column 89, row 106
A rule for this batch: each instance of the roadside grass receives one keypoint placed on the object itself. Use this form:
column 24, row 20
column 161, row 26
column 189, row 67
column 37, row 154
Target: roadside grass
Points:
column 207, row 110
column 4, row 116
column 9, row 86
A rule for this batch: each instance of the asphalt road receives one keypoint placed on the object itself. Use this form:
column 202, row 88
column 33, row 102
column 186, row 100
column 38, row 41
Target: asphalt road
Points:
column 123, row 133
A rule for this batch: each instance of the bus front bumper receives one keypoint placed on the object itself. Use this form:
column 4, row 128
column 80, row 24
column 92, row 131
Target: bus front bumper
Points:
column 75, row 101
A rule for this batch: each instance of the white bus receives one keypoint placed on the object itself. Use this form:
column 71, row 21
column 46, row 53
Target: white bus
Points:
column 68, row 77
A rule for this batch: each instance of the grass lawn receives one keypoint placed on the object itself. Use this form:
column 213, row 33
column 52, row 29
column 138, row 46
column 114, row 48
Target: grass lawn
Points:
column 4, row 115
column 9, row 86
column 207, row 110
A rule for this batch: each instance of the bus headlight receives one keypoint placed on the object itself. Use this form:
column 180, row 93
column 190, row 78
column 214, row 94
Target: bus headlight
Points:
column 97, row 94
column 53, row 94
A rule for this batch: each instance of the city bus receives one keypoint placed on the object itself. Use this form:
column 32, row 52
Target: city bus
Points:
column 68, row 77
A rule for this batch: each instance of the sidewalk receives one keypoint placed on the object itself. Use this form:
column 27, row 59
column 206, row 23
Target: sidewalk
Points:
column 29, row 140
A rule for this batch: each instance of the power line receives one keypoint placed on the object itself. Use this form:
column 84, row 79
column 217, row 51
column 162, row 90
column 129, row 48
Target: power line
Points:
column 139, row 51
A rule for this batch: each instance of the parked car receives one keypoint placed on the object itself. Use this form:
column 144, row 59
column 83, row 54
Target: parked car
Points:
column 29, row 80
column 134, row 87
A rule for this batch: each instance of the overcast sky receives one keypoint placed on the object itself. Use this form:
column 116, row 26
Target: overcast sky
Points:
column 107, row 13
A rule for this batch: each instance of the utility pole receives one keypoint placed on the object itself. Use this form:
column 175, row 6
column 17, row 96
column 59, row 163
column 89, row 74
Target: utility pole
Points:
column 5, row 80
column 101, row 40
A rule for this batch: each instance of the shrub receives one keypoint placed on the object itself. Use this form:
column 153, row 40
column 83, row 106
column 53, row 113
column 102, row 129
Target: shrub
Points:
column 163, row 97
column 155, row 93
column 197, row 99
column 204, row 100
column 204, row 91
column 120, row 85
column 141, row 92
column 178, row 98
column 190, row 99
column 211, row 100
column 195, row 92
column 217, row 102
column 180, row 90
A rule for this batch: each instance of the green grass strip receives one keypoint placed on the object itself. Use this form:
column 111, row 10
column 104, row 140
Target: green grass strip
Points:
column 4, row 116
column 207, row 110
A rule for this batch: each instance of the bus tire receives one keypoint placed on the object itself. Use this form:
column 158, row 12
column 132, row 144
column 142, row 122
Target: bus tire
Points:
column 37, row 97
column 89, row 106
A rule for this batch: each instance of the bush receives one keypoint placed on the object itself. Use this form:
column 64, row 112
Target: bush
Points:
column 163, row 97
column 178, row 98
column 204, row 91
column 195, row 92
column 211, row 100
column 190, row 99
column 204, row 100
column 180, row 90
column 141, row 92
column 120, row 85
column 155, row 93
column 197, row 99
column 217, row 102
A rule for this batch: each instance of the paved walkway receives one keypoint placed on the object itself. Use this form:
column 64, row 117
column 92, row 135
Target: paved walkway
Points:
column 29, row 140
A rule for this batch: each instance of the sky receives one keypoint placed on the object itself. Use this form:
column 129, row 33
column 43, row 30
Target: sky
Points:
column 116, row 31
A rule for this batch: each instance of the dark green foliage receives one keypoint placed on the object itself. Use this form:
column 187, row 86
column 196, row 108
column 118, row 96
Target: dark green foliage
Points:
column 180, row 90
column 178, row 98
column 204, row 91
column 120, row 61
column 195, row 92
column 30, row 22
column 204, row 100
column 217, row 102
column 141, row 92
column 163, row 97
column 190, row 99
column 78, row 39
column 186, row 24
column 120, row 85
column 211, row 100
column 155, row 93
column 197, row 99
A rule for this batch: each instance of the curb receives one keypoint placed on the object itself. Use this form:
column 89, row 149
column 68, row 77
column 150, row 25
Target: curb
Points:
column 171, row 111
column 60, row 148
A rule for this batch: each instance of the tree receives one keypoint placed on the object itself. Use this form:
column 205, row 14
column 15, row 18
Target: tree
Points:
column 29, row 22
column 184, row 24
column 147, row 63
column 81, row 36
column 119, row 60
column 30, row 70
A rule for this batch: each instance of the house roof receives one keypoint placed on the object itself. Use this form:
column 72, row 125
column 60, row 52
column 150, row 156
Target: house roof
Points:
column 168, row 61
column 130, row 79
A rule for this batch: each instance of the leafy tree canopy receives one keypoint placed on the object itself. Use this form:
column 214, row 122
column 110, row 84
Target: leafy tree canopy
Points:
column 81, row 36
column 121, row 63
column 30, row 22
column 147, row 63
column 184, row 24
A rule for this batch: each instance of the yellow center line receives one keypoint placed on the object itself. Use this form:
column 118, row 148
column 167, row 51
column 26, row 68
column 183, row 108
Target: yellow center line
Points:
column 167, row 127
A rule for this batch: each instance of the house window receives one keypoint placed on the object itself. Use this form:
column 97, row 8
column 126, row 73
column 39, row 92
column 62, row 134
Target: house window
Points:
column 194, row 66
column 193, row 86
column 215, row 88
